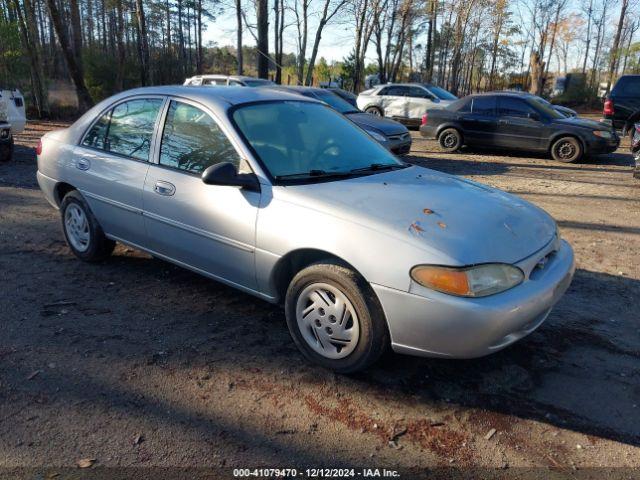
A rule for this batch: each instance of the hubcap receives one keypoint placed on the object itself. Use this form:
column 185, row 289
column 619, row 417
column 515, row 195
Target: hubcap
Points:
column 566, row 150
column 374, row 111
column 77, row 227
column 327, row 321
column 449, row 140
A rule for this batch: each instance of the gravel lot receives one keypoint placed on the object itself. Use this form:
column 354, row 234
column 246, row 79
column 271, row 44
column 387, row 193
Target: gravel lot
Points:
column 138, row 363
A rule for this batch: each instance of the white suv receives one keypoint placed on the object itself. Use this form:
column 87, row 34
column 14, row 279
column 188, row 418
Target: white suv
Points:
column 405, row 102
column 228, row 80
column 12, row 121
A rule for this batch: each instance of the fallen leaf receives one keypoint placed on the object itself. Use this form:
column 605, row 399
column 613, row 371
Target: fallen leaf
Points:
column 490, row 434
column 442, row 225
column 427, row 211
column 86, row 462
column 138, row 439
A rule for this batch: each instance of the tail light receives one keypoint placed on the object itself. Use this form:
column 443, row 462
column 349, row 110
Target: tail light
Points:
column 608, row 107
column 424, row 119
column 39, row 148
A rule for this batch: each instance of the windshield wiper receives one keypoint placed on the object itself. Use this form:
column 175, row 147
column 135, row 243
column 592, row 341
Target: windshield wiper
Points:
column 313, row 173
column 374, row 167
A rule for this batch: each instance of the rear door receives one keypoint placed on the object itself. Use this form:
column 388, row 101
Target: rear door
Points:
column 519, row 124
column 480, row 124
column 393, row 100
column 111, row 162
column 210, row 228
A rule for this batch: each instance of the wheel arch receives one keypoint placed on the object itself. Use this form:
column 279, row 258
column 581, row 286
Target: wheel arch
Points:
column 558, row 135
column 60, row 190
column 442, row 127
column 294, row 261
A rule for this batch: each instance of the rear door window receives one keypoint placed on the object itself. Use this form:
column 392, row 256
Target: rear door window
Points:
column 484, row 105
column 126, row 129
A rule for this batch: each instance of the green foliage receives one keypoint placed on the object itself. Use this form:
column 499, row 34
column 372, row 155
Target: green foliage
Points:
column 14, row 65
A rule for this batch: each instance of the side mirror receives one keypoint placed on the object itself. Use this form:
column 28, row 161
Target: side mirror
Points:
column 533, row 116
column 226, row 174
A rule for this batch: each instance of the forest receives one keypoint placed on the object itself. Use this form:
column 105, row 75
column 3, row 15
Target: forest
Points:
column 99, row 47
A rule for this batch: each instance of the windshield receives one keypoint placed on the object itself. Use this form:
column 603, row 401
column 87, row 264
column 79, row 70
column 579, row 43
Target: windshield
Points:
column 298, row 138
column 547, row 108
column 441, row 93
column 334, row 101
column 257, row 83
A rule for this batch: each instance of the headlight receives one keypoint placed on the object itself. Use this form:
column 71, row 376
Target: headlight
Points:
column 602, row 133
column 376, row 135
column 4, row 134
column 476, row 281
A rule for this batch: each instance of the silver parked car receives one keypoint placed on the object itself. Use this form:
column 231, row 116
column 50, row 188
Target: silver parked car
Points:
column 227, row 81
column 405, row 102
column 288, row 200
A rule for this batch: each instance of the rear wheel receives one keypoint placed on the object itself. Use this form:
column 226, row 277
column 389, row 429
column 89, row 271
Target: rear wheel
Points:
column 567, row 150
column 334, row 317
column 374, row 111
column 450, row 140
column 6, row 151
column 82, row 231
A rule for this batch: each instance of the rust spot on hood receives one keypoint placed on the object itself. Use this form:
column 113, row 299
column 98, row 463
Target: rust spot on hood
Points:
column 416, row 228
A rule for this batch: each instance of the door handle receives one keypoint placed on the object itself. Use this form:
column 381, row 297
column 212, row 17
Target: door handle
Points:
column 503, row 122
column 83, row 164
column 164, row 188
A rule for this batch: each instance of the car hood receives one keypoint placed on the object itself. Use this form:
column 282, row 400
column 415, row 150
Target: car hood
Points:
column 454, row 219
column 384, row 125
column 583, row 123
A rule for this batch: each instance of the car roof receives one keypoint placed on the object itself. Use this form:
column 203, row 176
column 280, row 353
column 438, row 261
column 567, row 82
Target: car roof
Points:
column 298, row 88
column 216, row 95
column 233, row 77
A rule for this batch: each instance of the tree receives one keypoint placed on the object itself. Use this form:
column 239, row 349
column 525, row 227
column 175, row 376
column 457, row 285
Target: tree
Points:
column 263, row 38
column 72, row 52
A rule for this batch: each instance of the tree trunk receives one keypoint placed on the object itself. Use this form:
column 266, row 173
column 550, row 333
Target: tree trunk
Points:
column 263, row 38
column 616, row 44
column 144, row 43
column 120, row 44
column 239, row 37
column 537, row 74
column 73, row 61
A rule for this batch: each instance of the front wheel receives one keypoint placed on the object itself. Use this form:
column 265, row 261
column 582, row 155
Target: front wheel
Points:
column 334, row 317
column 82, row 231
column 566, row 150
column 374, row 111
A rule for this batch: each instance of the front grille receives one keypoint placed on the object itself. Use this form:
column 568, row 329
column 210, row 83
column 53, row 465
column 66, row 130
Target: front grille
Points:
column 399, row 137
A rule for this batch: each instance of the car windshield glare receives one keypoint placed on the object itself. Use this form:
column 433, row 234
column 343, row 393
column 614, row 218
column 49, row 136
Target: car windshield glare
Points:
column 294, row 138
column 335, row 102
column 441, row 93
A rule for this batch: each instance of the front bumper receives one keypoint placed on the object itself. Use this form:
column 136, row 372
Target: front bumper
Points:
column 440, row 325
column 399, row 144
column 602, row 145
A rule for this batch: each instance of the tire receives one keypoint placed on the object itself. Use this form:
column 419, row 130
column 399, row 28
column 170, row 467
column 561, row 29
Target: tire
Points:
column 450, row 140
column 348, row 309
column 567, row 150
column 374, row 111
column 6, row 151
column 82, row 231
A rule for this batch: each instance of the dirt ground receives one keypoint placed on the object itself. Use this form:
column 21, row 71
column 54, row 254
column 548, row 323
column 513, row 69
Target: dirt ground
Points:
column 137, row 363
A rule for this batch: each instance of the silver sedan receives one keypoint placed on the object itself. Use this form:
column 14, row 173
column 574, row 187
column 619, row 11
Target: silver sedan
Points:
column 285, row 199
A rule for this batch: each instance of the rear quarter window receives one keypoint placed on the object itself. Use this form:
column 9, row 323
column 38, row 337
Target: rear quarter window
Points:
column 627, row 87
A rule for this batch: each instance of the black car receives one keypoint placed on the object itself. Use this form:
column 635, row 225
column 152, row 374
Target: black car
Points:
column 348, row 97
column 6, row 142
column 392, row 135
column 514, row 121
column 622, row 101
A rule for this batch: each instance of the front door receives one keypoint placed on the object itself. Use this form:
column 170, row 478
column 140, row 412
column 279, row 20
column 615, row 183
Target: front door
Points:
column 519, row 124
column 393, row 101
column 111, row 163
column 206, row 227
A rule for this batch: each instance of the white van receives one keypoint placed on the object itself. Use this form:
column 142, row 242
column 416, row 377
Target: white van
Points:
column 12, row 110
